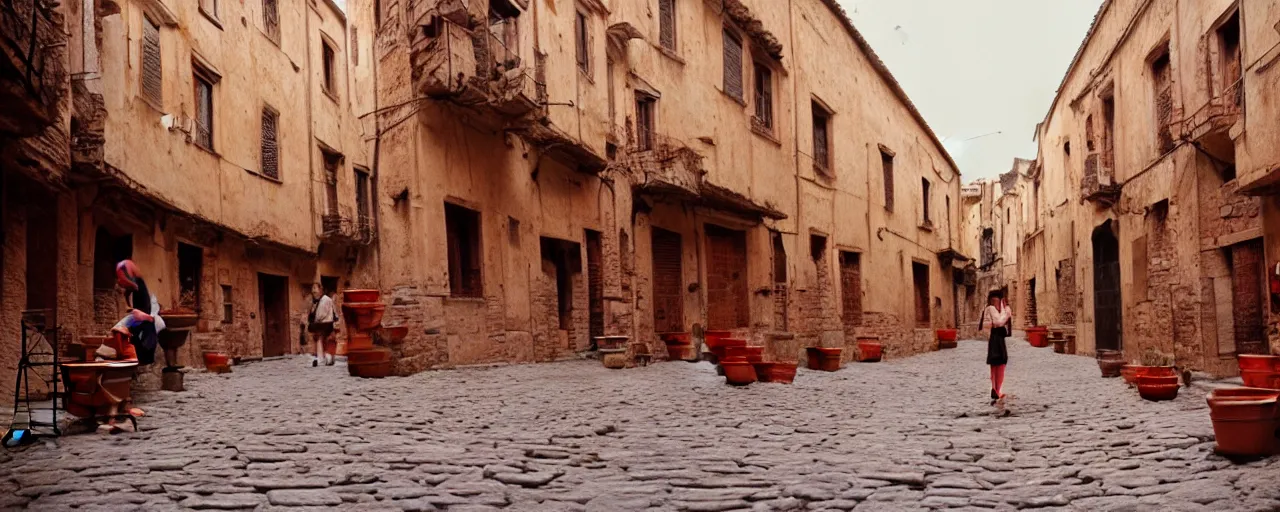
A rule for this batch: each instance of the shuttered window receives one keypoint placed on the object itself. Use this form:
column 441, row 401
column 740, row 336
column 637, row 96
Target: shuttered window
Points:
column 328, row 55
column 821, row 139
column 667, row 24
column 355, row 47
column 645, row 105
column 886, row 164
column 270, row 143
column 732, row 64
column 152, row 77
column 1162, row 73
column 271, row 20
column 204, row 111
column 582, row 39
column 362, row 200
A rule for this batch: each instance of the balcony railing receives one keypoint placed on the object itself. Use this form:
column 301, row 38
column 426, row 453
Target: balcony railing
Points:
column 342, row 230
column 1216, row 117
column 472, row 66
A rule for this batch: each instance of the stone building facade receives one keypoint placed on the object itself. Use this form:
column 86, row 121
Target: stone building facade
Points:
column 564, row 170
column 1149, row 190
column 517, row 177
column 197, row 139
column 995, row 214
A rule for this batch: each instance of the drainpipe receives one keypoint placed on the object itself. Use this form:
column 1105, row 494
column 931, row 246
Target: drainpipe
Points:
column 377, row 147
column 311, row 154
column 795, row 134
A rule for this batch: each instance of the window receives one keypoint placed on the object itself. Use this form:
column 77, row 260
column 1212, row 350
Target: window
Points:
column 817, row 247
column 355, row 47
column 925, row 200
column 204, row 106
column 227, row 311
column 821, row 142
column 645, row 106
column 190, row 267
column 1108, row 132
column 271, row 20
column 667, row 24
column 609, row 89
column 362, row 200
column 270, row 143
column 504, row 26
column 920, row 278
column 732, row 64
column 851, row 289
column 332, row 162
column 582, row 38
column 1229, row 56
column 886, row 165
column 152, row 75
column 1162, row 80
column 462, row 227
column 1140, row 268
column 779, row 258
column 209, row 8
column 328, row 81
column 764, row 96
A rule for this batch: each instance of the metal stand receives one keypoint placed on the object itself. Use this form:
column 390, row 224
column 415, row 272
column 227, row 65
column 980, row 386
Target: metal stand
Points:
column 39, row 351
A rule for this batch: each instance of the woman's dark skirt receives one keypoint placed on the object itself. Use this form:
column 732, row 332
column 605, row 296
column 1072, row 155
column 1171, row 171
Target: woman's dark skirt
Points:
column 997, row 352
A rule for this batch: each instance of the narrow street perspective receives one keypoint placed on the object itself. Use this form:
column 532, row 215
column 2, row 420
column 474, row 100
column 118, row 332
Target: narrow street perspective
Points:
column 612, row 255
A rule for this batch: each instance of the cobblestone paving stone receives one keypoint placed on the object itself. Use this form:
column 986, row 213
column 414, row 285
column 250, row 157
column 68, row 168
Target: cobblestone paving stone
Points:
column 911, row 434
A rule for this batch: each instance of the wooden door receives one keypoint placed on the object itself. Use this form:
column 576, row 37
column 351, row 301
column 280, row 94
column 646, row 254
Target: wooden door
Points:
column 273, row 308
column 668, row 293
column 1247, row 297
column 1107, row 325
column 727, row 293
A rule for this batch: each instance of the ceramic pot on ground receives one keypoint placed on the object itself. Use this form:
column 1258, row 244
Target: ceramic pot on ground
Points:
column 722, row 345
column 1038, row 337
column 713, row 338
column 1110, row 368
column 783, row 373
column 679, row 338
column 614, row 359
column 363, row 316
column 678, row 352
column 764, row 371
column 869, row 351
column 1245, row 421
column 1060, row 346
column 1158, row 388
column 738, row 373
column 946, row 338
column 813, row 358
column 1259, row 371
column 830, row 361
column 374, row 370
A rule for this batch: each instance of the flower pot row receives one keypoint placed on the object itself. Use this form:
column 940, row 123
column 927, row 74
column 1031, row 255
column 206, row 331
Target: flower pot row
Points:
column 679, row 345
column 1038, row 336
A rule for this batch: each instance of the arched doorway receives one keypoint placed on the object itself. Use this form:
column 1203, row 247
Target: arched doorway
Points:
column 1107, row 321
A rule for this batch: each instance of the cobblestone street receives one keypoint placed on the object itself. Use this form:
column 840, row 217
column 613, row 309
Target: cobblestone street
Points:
column 909, row 434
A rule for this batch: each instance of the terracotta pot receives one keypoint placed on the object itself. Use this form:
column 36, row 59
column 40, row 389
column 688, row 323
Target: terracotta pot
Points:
column 373, row 355
column 738, row 373
column 1110, row 368
column 1037, row 338
column 830, row 359
column 678, row 338
column 1129, row 373
column 813, row 358
column 1245, row 421
column 1158, row 389
column 751, row 354
column 1260, row 371
column 359, row 341
column 724, row 344
column 213, row 358
column 1105, row 354
column 615, row 361
column 713, row 338
column 1071, row 344
column 1060, row 346
column 946, row 335
column 218, row 368
column 363, row 316
column 370, row 370
column 869, row 351
column 764, row 371
column 783, row 373
column 361, row 295
column 677, row 352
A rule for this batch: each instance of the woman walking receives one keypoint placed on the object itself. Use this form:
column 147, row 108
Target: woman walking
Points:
column 320, row 323
column 996, row 316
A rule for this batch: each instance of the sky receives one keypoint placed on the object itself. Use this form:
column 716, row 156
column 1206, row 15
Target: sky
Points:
column 975, row 67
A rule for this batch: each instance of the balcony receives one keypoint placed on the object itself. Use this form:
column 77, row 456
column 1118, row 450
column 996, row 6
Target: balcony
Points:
column 668, row 170
column 458, row 59
column 345, row 231
column 1098, row 183
column 1210, row 127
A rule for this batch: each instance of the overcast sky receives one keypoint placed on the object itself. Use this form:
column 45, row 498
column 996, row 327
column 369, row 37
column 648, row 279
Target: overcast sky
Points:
column 974, row 67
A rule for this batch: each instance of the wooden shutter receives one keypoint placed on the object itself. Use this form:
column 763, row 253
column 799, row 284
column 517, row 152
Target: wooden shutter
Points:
column 271, row 19
column 667, row 23
column 270, row 144
column 152, row 77
column 732, row 65
column 355, row 47
column 764, row 96
column 204, row 113
column 580, row 38
column 886, row 162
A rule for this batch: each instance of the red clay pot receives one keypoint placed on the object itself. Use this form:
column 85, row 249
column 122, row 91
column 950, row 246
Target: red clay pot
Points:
column 363, row 316
column 764, row 371
column 1060, row 346
column 376, row 370
column 738, row 373
column 869, row 351
column 1129, row 373
column 1110, row 368
column 361, row 295
column 1260, row 371
column 946, row 335
column 724, row 344
column 1037, row 338
column 373, row 355
column 783, row 373
column 212, row 358
column 678, row 352
column 751, row 354
column 713, row 338
column 830, row 359
column 678, row 338
column 813, row 358
column 359, row 341
column 1245, row 421
column 1158, row 389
